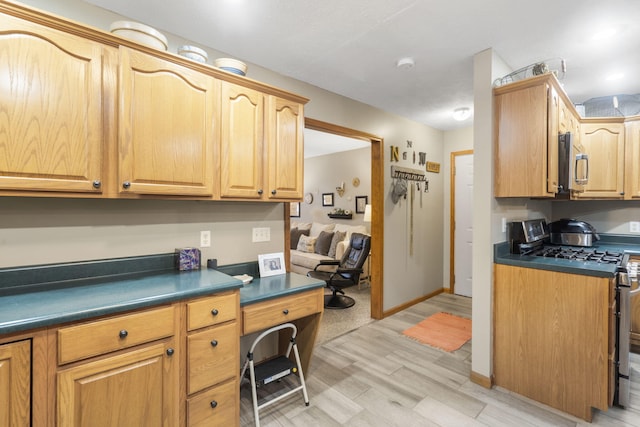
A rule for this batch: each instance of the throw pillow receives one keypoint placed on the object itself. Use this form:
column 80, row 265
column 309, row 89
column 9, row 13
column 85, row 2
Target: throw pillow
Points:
column 306, row 243
column 323, row 242
column 295, row 236
column 338, row 237
column 317, row 227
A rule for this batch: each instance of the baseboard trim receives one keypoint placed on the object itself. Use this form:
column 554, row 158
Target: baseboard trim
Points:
column 480, row 379
column 410, row 303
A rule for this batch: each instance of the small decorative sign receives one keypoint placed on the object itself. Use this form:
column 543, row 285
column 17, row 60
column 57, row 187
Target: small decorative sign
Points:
column 433, row 167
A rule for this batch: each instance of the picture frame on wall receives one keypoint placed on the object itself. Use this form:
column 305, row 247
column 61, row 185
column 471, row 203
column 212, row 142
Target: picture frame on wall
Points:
column 294, row 209
column 361, row 203
column 327, row 199
column 271, row 264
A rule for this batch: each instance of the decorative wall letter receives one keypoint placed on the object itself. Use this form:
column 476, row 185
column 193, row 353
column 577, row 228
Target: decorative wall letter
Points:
column 395, row 153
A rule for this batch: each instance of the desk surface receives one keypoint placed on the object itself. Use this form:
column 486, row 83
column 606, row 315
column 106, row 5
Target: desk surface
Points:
column 47, row 295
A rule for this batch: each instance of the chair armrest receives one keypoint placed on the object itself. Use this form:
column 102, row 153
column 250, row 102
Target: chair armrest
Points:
column 326, row 262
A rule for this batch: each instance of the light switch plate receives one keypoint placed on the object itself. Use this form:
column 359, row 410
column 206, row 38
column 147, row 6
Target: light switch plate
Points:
column 205, row 239
column 634, row 226
column 261, row 234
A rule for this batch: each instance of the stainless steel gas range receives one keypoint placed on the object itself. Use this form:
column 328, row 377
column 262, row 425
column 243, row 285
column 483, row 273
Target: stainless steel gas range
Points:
column 573, row 241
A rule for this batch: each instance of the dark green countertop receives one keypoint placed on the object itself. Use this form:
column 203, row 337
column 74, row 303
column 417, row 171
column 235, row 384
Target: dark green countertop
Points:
column 613, row 243
column 46, row 295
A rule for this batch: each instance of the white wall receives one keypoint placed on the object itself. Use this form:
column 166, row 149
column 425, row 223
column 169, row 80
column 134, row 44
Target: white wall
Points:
column 323, row 174
column 406, row 276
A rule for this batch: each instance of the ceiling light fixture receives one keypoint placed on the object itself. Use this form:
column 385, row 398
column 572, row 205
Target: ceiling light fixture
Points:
column 405, row 63
column 461, row 114
column 615, row 76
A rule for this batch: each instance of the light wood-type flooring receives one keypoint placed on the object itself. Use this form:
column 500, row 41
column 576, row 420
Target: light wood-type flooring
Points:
column 374, row 376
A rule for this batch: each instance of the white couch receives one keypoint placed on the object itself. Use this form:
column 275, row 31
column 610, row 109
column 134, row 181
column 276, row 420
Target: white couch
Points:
column 303, row 261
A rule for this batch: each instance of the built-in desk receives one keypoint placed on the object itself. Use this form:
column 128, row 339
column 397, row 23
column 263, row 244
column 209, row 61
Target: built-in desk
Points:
column 271, row 301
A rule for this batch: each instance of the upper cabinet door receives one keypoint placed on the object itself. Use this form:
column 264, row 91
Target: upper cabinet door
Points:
column 526, row 140
column 50, row 109
column 166, row 118
column 241, row 142
column 285, row 149
column 632, row 158
column 604, row 144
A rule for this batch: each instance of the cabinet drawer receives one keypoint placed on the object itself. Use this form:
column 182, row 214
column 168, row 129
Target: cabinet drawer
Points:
column 214, row 356
column 219, row 406
column 212, row 311
column 269, row 313
column 103, row 336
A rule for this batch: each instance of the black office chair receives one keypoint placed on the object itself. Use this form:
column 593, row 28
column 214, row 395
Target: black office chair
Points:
column 347, row 273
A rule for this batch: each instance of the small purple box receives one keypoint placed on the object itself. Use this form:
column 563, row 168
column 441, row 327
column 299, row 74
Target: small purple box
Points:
column 188, row 259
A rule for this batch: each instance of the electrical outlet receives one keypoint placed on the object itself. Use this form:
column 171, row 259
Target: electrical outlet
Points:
column 504, row 225
column 205, row 239
column 634, row 226
column 261, row 234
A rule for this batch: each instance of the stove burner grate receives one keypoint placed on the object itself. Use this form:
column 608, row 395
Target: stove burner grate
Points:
column 579, row 254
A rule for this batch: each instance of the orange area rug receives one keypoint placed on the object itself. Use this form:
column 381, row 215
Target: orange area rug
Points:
column 442, row 330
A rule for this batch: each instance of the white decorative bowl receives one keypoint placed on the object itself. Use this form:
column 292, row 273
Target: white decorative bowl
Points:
column 192, row 52
column 231, row 65
column 140, row 33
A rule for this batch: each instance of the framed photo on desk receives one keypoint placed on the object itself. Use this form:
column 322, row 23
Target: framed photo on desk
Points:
column 271, row 264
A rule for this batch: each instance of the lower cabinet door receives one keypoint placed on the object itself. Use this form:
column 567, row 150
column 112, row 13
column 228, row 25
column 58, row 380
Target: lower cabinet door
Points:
column 15, row 384
column 219, row 406
column 136, row 388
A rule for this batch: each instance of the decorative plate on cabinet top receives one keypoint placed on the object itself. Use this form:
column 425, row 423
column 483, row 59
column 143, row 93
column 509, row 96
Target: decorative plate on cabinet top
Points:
column 308, row 198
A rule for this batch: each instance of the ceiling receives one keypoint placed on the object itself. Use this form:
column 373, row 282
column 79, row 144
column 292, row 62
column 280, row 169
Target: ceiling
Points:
column 352, row 47
column 318, row 143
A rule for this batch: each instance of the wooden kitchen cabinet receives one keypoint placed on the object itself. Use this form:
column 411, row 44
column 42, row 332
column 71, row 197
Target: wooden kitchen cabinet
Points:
column 603, row 142
column 15, row 384
column 526, row 138
column 165, row 127
column 242, row 159
column 261, row 145
column 285, row 146
column 553, row 337
column 135, row 386
column 51, row 126
column 632, row 160
column 213, row 361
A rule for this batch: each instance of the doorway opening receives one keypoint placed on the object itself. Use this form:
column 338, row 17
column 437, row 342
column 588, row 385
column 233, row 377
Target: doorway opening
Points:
column 377, row 205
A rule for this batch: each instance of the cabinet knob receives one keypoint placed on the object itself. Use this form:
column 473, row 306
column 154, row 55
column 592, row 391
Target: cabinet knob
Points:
column 260, row 191
column 97, row 184
column 214, row 343
column 622, row 193
column 214, row 311
column 126, row 185
column 213, row 404
column 123, row 334
column 170, row 352
column 273, row 192
column 285, row 311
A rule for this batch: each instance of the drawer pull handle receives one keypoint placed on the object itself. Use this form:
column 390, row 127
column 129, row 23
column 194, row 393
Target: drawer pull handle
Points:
column 123, row 334
column 170, row 352
column 285, row 311
column 215, row 311
column 213, row 403
column 126, row 185
column 214, row 343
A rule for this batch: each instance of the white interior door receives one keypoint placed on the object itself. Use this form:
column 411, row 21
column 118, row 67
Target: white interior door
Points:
column 463, row 230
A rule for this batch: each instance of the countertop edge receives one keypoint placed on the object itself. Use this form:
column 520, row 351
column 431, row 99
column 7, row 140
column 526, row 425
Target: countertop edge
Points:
column 22, row 325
